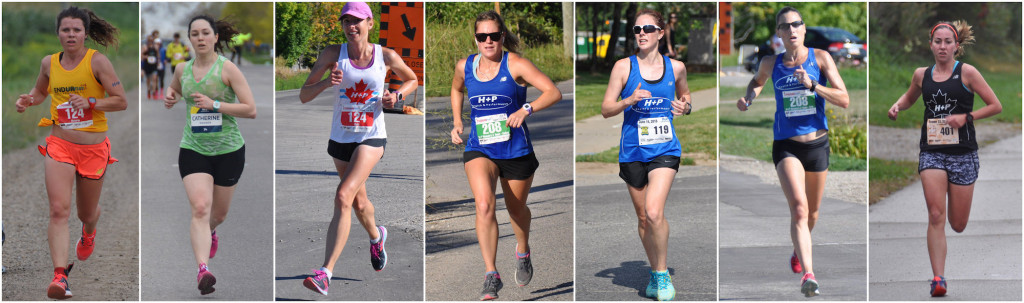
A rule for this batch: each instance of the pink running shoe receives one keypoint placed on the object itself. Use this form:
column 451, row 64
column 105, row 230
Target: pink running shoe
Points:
column 206, row 280
column 213, row 244
column 794, row 262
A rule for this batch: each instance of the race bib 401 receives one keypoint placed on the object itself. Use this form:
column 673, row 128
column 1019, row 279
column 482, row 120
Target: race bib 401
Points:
column 940, row 133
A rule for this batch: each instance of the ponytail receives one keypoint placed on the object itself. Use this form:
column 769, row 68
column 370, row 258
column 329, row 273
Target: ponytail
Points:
column 96, row 28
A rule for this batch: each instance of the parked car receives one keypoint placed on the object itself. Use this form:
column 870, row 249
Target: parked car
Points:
column 845, row 47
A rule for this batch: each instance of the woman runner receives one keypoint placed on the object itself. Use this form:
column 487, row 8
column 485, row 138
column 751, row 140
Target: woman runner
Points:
column 653, row 90
column 949, row 146
column 358, row 136
column 499, row 147
column 212, row 152
column 801, row 149
column 83, row 86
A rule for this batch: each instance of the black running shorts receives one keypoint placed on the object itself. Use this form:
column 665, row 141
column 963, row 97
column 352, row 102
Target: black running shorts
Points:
column 344, row 151
column 635, row 173
column 813, row 154
column 521, row 168
column 225, row 169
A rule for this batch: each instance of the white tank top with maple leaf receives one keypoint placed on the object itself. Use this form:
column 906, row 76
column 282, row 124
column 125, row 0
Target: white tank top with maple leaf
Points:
column 358, row 108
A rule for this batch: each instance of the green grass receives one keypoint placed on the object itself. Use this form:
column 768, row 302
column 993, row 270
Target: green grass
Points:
column 450, row 43
column 293, row 81
column 729, row 60
column 590, row 91
column 888, row 176
column 696, row 134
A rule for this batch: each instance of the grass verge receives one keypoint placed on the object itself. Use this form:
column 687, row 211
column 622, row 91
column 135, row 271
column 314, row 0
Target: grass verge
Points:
column 888, row 176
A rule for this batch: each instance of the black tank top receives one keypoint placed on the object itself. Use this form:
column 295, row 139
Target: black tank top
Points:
column 946, row 98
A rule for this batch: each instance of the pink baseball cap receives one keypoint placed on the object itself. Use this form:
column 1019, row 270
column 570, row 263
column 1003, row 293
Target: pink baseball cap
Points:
column 356, row 9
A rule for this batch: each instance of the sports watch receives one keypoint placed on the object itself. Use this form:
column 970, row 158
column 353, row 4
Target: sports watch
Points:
column 528, row 108
column 216, row 105
column 92, row 102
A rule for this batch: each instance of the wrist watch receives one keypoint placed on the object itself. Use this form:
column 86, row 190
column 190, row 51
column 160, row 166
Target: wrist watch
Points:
column 814, row 84
column 92, row 102
column 528, row 108
column 216, row 105
column 400, row 96
column 970, row 118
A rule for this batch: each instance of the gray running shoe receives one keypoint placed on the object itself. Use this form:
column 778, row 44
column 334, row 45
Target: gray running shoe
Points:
column 492, row 284
column 524, row 268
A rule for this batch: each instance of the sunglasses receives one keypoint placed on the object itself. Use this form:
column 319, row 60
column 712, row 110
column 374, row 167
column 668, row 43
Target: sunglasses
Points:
column 650, row 28
column 783, row 26
column 482, row 37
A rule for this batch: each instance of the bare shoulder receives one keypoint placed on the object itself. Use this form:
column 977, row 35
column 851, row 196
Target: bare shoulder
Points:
column 46, row 62
column 515, row 59
column 332, row 50
column 970, row 69
column 678, row 66
column 623, row 63
column 461, row 64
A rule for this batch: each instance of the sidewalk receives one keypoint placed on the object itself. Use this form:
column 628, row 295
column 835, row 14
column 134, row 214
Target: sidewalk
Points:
column 983, row 262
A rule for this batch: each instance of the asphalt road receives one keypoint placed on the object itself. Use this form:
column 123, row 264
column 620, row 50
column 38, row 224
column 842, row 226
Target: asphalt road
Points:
column 611, row 263
column 111, row 273
column 982, row 263
column 306, row 184
column 756, row 245
column 453, row 262
column 243, row 265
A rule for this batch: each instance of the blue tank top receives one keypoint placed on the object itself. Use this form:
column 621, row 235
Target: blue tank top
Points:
column 798, row 111
column 492, row 101
column 647, row 130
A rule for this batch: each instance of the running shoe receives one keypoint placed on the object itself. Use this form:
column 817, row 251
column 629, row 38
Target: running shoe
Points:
column 652, row 287
column 213, row 243
column 318, row 282
column 85, row 244
column 808, row 285
column 378, row 256
column 59, row 288
column 206, row 280
column 666, row 291
column 492, row 284
column 524, row 268
column 939, row 286
column 794, row 262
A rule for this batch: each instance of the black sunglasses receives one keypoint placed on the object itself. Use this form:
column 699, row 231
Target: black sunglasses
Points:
column 482, row 37
column 650, row 28
column 783, row 26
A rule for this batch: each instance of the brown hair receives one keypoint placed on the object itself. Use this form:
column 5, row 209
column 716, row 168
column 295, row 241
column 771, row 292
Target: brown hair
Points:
column 96, row 28
column 222, row 28
column 658, row 20
column 962, row 32
column 510, row 41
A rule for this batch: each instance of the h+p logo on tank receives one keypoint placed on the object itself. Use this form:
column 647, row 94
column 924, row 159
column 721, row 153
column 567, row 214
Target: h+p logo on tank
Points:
column 941, row 107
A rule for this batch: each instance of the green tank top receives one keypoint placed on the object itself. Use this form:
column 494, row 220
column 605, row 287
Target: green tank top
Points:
column 207, row 132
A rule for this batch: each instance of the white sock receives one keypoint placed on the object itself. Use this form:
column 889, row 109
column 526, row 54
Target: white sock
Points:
column 325, row 270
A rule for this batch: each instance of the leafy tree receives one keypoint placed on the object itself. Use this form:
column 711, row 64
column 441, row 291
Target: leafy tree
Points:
column 251, row 18
column 293, row 30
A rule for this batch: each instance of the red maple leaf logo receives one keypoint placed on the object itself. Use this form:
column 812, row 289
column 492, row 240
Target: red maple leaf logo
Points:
column 360, row 94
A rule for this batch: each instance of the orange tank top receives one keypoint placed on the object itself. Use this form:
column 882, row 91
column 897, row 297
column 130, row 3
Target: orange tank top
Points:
column 79, row 81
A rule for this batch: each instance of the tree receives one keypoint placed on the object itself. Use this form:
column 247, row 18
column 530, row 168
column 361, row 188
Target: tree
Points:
column 293, row 30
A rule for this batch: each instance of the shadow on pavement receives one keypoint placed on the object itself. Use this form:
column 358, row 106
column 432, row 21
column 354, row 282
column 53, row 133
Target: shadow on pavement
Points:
column 567, row 289
column 630, row 274
column 334, row 173
column 433, row 208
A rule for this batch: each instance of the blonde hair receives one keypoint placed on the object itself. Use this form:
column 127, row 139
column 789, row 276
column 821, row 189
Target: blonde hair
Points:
column 962, row 31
